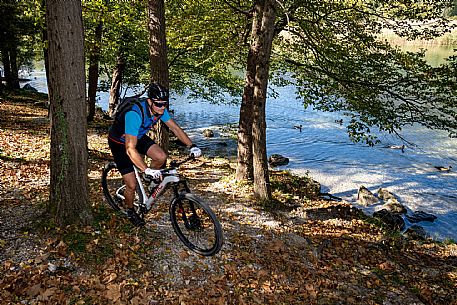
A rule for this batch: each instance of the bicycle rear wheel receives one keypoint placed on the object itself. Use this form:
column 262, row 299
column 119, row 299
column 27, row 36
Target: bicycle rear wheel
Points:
column 196, row 224
column 113, row 189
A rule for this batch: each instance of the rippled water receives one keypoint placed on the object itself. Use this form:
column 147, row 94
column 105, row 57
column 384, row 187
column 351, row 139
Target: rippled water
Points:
column 323, row 149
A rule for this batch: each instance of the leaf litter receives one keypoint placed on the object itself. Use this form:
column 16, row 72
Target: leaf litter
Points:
column 296, row 250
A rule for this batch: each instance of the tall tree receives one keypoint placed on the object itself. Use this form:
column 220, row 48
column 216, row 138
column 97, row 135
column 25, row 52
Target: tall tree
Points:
column 69, row 201
column 262, row 41
column 331, row 52
column 245, row 169
column 158, row 59
column 252, row 154
column 116, row 82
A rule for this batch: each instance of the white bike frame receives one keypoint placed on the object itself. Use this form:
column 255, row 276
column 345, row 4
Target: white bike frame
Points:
column 148, row 201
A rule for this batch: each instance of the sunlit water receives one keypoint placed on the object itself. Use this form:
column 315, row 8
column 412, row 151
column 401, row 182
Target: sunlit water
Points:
column 323, row 150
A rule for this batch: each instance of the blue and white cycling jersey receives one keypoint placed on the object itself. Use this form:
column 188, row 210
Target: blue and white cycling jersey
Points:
column 131, row 122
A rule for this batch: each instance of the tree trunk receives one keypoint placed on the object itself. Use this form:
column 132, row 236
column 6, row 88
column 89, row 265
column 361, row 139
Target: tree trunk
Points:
column 6, row 65
column 46, row 58
column 116, row 81
column 9, row 59
column 69, row 201
column 46, row 55
column 158, row 59
column 93, row 73
column 244, row 169
column 14, row 81
column 264, row 39
column 9, row 42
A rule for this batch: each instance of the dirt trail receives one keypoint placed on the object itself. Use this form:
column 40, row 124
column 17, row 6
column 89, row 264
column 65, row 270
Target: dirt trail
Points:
column 321, row 253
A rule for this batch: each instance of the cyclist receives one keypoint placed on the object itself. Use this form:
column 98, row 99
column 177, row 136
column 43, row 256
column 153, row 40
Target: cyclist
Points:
column 128, row 141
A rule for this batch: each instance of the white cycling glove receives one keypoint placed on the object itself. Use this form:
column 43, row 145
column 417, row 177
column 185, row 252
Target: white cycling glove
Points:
column 153, row 173
column 195, row 151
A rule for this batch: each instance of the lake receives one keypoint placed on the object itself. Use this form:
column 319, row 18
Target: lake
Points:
column 322, row 149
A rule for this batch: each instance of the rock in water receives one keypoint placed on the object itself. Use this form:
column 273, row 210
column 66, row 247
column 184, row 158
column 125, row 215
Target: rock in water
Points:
column 278, row 160
column 416, row 232
column 208, row 133
column 29, row 88
column 365, row 197
column 385, row 195
column 393, row 206
column 419, row 216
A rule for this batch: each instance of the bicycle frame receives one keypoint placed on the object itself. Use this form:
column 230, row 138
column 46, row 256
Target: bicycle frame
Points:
column 192, row 219
column 170, row 177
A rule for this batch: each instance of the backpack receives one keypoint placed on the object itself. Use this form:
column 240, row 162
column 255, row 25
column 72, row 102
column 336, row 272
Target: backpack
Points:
column 125, row 105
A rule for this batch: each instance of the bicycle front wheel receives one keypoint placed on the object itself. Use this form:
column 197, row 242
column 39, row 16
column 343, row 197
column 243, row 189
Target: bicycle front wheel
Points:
column 113, row 189
column 196, row 224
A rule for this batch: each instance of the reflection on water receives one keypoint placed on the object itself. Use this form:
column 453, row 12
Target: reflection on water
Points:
column 435, row 55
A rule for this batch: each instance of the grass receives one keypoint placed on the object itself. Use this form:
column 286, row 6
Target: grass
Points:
column 77, row 241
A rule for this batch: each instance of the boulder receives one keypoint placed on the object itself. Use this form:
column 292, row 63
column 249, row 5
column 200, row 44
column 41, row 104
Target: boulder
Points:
column 393, row 221
column 392, row 205
column 29, row 88
column 385, row 195
column 419, row 216
column 416, row 232
column 208, row 133
column 277, row 160
column 365, row 197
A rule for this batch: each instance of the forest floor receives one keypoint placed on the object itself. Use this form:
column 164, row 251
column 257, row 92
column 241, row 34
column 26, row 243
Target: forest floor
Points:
column 292, row 251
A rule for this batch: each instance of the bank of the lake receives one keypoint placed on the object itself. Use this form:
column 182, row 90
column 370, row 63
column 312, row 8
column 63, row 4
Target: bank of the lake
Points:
column 322, row 149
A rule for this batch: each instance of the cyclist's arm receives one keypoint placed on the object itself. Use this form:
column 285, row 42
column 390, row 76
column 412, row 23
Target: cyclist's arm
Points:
column 182, row 136
column 134, row 155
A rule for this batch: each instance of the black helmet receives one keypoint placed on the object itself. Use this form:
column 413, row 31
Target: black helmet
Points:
column 157, row 92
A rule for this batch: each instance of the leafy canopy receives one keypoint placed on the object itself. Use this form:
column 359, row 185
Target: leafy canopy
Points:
column 332, row 52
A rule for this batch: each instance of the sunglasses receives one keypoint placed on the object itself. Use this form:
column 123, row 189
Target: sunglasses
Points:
column 160, row 105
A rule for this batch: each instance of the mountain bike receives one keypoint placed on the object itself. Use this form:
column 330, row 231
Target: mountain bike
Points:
column 192, row 219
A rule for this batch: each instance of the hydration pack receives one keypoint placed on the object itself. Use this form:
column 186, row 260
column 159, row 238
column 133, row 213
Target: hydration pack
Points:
column 125, row 105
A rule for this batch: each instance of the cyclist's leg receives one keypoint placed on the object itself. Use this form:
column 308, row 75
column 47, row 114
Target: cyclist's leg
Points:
column 130, row 187
column 148, row 147
column 125, row 167
column 157, row 155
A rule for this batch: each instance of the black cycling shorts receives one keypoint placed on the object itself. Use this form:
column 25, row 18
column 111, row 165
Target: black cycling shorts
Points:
column 123, row 162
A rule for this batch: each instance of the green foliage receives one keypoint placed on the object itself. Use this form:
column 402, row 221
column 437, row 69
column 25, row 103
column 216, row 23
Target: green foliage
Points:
column 452, row 10
column 207, row 48
column 124, row 34
column 331, row 52
column 20, row 28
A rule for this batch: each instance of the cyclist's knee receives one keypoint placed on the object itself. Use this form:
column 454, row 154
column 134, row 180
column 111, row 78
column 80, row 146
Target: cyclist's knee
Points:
column 159, row 158
column 162, row 159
